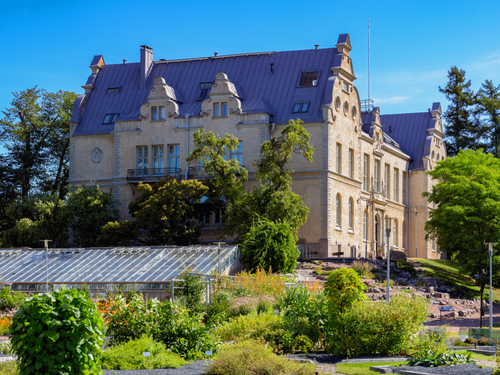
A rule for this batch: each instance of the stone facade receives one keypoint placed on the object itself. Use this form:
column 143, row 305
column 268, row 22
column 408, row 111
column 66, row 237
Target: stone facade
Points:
column 360, row 174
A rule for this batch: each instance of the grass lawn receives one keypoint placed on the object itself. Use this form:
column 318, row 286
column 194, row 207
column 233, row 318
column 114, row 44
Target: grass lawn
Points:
column 447, row 271
column 362, row 368
column 477, row 356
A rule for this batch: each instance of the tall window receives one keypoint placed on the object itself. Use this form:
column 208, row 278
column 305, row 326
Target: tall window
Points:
column 376, row 175
column 237, row 153
column 395, row 234
column 366, row 172
column 386, row 181
column 154, row 113
column 396, row 184
column 338, row 212
column 405, row 176
column 162, row 113
column 142, row 159
column 338, row 167
column 224, row 109
column 351, row 214
column 365, row 225
column 173, row 156
column 158, row 159
column 404, row 235
column 351, row 163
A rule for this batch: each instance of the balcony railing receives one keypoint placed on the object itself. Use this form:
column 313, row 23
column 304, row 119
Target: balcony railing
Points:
column 156, row 174
column 153, row 174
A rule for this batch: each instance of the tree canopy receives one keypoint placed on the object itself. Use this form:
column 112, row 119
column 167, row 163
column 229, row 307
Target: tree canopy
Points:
column 467, row 214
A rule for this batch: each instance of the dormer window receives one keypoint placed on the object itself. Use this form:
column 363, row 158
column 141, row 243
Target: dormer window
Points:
column 345, row 86
column 110, row 118
column 220, row 110
column 300, row 107
column 309, row 79
column 113, row 90
column 205, row 89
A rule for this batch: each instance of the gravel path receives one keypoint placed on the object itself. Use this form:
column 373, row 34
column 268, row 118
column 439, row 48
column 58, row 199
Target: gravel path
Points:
column 465, row 369
column 195, row 368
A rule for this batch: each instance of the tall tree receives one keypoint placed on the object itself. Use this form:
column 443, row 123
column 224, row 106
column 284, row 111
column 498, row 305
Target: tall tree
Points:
column 273, row 199
column 460, row 133
column 467, row 197
column 487, row 117
column 34, row 130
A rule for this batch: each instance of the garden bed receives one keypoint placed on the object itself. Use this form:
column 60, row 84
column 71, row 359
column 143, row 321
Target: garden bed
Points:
column 194, row 368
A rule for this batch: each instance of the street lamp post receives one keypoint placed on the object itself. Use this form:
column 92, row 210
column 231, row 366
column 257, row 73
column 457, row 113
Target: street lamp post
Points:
column 366, row 229
column 490, row 250
column 388, row 234
column 416, row 238
column 46, row 242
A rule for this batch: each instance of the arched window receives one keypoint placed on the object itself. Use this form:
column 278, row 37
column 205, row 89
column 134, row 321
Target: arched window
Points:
column 437, row 158
column 338, row 211
column 432, row 156
column 404, row 235
column 395, row 233
column 351, row 214
column 365, row 226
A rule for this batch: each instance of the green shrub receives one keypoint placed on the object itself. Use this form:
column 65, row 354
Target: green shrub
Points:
column 483, row 341
column 373, row 327
column 128, row 356
column 247, row 327
column 423, row 345
column 458, row 342
column 303, row 315
column 10, row 300
column 271, row 245
column 252, row 357
column 363, row 268
column 58, row 333
column 264, row 306
column 218, row 311
column 182, row 332
column 470, row 340
column 193, row 291
column 117, row 233
column 9, row 368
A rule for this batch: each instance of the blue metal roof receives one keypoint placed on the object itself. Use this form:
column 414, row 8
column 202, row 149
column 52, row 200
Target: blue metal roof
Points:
column 260, row 88
column 410, row 131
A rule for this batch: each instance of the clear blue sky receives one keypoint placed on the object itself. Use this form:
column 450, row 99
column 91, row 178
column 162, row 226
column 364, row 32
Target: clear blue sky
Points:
column 413, row 43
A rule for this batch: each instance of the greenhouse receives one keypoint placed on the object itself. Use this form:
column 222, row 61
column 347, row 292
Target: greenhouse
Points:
column 109, row 269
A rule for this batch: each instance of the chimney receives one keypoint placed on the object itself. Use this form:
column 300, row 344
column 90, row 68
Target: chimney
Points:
column 146, row 65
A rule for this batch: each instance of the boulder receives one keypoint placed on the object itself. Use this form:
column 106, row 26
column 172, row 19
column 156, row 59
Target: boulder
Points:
column 398, row 255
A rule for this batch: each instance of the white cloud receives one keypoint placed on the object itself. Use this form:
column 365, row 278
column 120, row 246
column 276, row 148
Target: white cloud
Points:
column 392, row 100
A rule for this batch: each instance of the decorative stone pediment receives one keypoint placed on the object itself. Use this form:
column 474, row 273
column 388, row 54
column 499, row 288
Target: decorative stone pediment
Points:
column 222, row 91
column 161, row 95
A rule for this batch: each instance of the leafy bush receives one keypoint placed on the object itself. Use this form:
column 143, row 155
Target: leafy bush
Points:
column 218, row 311
column 247, row 327
column 128, row 356
column 303, row 314
column 470, row 340
column 271, row 244
column 9, row 368
column 252, row 357
column 433, row 359
column 58, row 333
column 423, row 344
column 486, row 341
column 193, row 291
column 180, row 331
column 383, row 328
column 459, row 342
column 117, row 233
column 10, row 300
column 5, row 324
column 407, row 267
column 264, row 306
column 363, row 268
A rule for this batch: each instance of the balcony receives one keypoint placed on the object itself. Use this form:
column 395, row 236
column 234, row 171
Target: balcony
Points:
column 153, row 174
column 156, row 174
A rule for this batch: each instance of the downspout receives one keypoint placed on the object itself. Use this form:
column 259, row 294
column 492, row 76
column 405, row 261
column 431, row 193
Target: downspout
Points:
column 409, row 214
column 187, row 145
column 273, row 125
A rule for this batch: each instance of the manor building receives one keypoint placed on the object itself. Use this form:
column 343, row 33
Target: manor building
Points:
column 135, row 122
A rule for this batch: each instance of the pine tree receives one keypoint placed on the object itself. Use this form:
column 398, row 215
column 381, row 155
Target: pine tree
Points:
column 460, row 133
column 487, row 117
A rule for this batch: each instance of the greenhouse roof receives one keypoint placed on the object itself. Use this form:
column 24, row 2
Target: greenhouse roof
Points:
column 112, row 265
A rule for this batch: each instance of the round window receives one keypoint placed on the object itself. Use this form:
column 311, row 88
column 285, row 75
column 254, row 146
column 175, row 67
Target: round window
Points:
column 354, row 112
column 337, row 103
column 346, row 108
